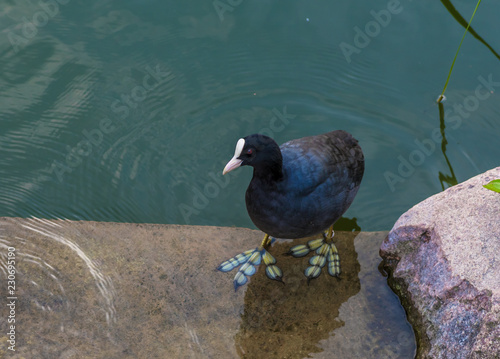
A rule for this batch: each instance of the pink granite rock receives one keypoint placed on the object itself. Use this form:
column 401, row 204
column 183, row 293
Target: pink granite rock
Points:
column 443, row 259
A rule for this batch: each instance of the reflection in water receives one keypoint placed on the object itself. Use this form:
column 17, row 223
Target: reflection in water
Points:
column 289, row 321
column 347, row 224
column 451, row 179
column 449, row 6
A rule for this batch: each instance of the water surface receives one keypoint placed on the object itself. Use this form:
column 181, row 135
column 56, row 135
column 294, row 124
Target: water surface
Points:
column 128, row 111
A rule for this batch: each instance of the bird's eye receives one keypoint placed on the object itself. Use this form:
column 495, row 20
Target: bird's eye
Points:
column 249, row 152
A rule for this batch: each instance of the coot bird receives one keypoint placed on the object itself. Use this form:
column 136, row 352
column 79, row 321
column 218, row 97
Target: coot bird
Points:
column 297, row 190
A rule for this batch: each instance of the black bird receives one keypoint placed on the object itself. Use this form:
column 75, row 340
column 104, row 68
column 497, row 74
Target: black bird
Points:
column 297, row 190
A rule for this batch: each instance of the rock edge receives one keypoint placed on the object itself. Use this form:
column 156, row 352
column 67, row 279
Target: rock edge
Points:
column 443, row 261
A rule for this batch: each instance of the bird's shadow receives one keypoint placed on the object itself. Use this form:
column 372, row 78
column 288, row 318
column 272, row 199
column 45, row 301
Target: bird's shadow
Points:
column 288, row 320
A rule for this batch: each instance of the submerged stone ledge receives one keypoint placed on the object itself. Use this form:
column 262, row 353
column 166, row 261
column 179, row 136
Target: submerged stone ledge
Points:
column 443, row 257
column 121, row 290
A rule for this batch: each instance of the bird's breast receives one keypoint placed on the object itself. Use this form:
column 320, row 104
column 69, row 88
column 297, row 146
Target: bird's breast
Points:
column 284, row 214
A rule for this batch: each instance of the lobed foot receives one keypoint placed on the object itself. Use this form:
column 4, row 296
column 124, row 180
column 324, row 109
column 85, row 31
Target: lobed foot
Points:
column 326, row 254
column 249, row 261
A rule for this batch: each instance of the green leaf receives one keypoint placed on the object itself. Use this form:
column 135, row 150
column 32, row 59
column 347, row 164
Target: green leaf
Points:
column 493, row 185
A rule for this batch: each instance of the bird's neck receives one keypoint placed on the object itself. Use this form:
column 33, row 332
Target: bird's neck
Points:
column 271, row 171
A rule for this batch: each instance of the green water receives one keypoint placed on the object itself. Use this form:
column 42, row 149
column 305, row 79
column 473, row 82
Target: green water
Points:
column 127, row 111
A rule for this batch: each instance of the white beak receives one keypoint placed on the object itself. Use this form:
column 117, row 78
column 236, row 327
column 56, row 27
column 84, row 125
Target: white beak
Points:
column 235, row 162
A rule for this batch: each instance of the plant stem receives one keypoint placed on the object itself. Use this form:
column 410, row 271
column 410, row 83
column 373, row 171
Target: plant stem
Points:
column 441, row 97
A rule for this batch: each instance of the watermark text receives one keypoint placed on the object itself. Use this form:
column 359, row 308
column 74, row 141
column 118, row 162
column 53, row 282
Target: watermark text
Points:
column 11, row 298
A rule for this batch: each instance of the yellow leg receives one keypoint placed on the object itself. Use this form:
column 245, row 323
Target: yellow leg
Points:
column 329, row 236
column 266, row 242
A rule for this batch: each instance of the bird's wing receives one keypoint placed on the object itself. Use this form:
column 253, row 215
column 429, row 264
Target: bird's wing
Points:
column 310, row 162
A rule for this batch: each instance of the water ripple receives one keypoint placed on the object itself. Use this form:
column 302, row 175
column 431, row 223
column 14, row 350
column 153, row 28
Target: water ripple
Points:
column 41, row 279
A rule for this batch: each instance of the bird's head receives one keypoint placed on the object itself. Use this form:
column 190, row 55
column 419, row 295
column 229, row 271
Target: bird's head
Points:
column 259, row 151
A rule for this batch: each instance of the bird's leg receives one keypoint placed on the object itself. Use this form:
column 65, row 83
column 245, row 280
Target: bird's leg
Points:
column 326, row 252
column 249, row 260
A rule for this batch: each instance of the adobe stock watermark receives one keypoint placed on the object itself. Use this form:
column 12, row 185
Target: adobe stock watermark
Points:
column 453, row 118
column 28, row 28
column 11, row 297
column 363, row 36
column 216, row 181
column 91, row 139
column 221, row 6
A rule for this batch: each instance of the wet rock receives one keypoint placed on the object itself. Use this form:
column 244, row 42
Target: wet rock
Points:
column 123, row 290
column 443, row 256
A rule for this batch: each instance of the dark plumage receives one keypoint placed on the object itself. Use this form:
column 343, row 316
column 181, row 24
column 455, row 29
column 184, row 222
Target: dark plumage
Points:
column 297, row 190
column 304, row 186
